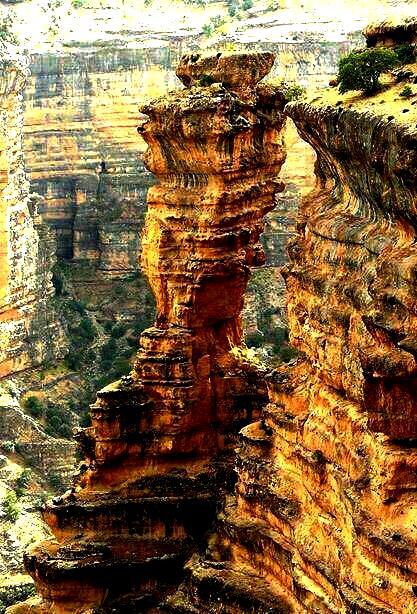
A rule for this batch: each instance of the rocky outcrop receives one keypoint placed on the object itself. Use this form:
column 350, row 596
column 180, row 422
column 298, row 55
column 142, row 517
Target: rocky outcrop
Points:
column 29, row 332
column 159, row 451
column 325, row 509
column 80, row 113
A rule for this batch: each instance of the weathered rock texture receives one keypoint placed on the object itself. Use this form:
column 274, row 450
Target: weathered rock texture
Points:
column 159, row 448
column 80, row 120
column 326, row 501
column 29, row 332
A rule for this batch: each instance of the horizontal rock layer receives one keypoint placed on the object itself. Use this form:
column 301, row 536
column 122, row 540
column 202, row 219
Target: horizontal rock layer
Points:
column 159, row 451
column 325, row 508
column 29, row 331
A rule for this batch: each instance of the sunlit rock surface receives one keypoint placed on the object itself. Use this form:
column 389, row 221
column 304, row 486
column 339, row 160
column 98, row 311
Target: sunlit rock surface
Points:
column 324, row 518
column 29, row 332
column 160, row 449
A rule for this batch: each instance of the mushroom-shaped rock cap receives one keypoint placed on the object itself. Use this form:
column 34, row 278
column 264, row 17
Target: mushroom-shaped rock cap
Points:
column 397, row 30
column 239, row 71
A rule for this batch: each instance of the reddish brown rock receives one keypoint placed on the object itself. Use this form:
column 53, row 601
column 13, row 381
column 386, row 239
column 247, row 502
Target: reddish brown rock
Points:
column 325, row 513
column 159, row 448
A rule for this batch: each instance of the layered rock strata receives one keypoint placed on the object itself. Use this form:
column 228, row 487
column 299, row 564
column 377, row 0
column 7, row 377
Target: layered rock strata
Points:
column 159, row 449
column 325, row 513
column 29, row 332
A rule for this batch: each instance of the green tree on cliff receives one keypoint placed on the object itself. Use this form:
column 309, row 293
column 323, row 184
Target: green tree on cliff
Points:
column 360, row 70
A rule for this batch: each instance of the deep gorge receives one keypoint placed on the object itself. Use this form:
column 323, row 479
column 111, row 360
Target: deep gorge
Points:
column 211, row 481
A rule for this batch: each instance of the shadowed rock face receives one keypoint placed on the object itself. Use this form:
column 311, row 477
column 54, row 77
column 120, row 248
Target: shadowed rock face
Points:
column 159, row 449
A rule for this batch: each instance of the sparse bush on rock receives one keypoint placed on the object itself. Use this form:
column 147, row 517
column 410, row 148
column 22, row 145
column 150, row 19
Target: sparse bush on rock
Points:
column 360, row 70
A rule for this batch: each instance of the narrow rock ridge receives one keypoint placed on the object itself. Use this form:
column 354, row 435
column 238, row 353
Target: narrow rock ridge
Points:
column 159, row 452
column 324, row 518
column 29, row 331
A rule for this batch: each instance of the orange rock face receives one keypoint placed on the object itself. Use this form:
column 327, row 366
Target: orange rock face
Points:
column 159, row 451
column 325, row 513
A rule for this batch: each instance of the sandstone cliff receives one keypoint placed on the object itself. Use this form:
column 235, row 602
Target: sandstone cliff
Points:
column 29, row 331
column 325, row 513
column 159, row 451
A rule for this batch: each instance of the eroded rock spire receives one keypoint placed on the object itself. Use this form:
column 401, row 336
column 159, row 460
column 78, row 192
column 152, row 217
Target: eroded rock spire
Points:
column 158, row 451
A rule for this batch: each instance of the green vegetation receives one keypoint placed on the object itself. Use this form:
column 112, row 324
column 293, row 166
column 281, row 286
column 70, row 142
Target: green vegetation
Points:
column 406, row 92
column 406, row 53
column 206, row 80
column 58, row 421
column 22, row 482
column 58, row 280
column 77, row 306
column 81, row 337
column 34, row 406
column 294, row 92
column 269, row 334
column 288, row 353
column 360, row 70
column 8, row 446
column 108, row 353
column 77, row 4
column 7, row 34
column 118, row 331
column 11, row 594
column 10, row 506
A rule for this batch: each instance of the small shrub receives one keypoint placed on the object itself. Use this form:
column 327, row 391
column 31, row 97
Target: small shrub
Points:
column 288, row 353
column 280, row 337
column 121, row 366
column 247, row 4
column 57, row 282
column 34, row 406
column 207, row 29
column 140, row 324
column 77, row 306
column 118, row 331
column 108, row 326
column 58, row 422
column 255, row 339
column 406, row 92
column 108, row 351
column 8, row 446
column 295, row 92
column 85, row 419
column 360, row 70
column 406, row 53
column 10, row 506
column 6, row 31
column 120, row 290
column 77, row 4
column 23, row 481
column 73, row 360
column 86, row 329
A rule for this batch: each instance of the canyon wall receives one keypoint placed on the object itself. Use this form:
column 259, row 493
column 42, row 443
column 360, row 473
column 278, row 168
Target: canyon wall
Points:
column 29, row 331
column 324, row 518
column 80, row 113
column 159, row 453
